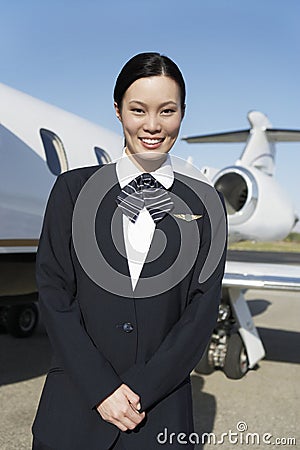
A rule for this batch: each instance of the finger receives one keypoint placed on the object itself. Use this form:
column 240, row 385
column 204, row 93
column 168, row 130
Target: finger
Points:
column 129, row 413
column 118, row 424
column 134, row 415
column 136, row 408
column 128, row 423
column 123, row 423
column 131, row 396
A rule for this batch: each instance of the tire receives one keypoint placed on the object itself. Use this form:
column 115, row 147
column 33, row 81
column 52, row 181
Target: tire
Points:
column 236, row 361
column 204, row 367
column 22, row 320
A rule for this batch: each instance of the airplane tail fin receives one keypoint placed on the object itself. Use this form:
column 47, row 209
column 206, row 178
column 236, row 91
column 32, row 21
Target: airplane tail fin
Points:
column 260, row 138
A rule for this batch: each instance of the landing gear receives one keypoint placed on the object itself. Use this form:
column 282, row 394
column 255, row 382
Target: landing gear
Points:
column 225, row 350
column 235, row 346
column 236, row 361
column 206, row 364
column 19, row 320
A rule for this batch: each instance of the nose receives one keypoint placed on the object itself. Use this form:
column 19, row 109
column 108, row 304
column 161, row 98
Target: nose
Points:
column 152, row 124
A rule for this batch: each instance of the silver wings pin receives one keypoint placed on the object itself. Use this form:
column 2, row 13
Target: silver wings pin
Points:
column 188, row 217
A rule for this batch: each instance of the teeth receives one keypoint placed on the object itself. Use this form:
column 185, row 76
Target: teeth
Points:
column 152, row 141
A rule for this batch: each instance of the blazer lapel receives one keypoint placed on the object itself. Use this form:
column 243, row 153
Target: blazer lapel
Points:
column 109, row 231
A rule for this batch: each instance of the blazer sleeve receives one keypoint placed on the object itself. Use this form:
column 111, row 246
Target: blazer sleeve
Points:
column 185, row 343
column 88, row 369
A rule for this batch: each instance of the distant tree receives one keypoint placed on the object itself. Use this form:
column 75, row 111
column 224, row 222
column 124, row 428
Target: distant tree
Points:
column 293, row 237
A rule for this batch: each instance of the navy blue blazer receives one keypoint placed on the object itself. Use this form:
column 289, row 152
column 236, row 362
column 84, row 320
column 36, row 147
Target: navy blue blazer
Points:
column 101, row 338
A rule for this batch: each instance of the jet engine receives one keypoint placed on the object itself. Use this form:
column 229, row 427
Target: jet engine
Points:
column 258, row 208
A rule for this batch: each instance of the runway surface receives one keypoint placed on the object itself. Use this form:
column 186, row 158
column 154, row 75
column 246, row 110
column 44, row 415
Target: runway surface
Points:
column 266, row 401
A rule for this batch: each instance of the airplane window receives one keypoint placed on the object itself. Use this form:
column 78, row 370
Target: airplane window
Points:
column 102, row 155
column 55, row 153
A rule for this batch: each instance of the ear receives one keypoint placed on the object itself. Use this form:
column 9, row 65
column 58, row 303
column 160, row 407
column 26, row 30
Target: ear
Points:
column 183, row 111
column 118, row 112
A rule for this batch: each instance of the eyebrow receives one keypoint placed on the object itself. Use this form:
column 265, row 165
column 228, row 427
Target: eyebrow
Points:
column 162, row 104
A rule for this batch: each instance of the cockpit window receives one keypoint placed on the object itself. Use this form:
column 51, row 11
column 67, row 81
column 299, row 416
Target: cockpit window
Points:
column 55, row 153
column 102, row 155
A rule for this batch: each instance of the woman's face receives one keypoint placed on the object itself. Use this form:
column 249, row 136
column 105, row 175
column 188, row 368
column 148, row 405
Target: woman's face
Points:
column 151, row 115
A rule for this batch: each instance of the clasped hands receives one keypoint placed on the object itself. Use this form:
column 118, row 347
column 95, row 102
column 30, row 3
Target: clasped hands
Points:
column 121, row 408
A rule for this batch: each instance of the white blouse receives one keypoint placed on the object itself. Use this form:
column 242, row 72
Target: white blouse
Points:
column 138, row 236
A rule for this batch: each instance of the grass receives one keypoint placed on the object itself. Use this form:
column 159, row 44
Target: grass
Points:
column 290, row 244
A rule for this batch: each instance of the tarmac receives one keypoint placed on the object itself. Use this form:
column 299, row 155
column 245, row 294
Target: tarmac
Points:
column 265, row 403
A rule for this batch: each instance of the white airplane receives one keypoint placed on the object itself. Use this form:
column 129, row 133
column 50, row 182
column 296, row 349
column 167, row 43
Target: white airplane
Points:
column 39, row 141
column 253, row 200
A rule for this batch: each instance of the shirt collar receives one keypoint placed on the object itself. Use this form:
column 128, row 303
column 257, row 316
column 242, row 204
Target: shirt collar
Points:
column 127, row 171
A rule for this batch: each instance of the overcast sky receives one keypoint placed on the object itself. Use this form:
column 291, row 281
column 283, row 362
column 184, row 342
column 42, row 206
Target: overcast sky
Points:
column 235, row 55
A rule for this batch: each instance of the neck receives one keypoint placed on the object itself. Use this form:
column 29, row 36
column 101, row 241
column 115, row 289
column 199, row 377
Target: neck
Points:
column 147, row 162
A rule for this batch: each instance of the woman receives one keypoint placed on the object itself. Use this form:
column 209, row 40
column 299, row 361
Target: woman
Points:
column 118, row 272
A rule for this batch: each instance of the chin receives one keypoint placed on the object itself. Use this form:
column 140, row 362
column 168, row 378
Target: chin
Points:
column 151, row 155
column 149, row 160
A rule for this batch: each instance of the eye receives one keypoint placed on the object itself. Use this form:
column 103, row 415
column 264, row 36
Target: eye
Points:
column 137, row 110
column 168, row 111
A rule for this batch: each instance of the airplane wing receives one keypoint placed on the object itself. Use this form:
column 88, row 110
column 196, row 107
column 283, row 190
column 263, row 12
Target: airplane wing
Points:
column 250, row 275
column 279, row 135
column 230, row 136
column 273, row 135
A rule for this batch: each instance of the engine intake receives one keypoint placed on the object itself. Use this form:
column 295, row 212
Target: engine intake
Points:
column 240, row 191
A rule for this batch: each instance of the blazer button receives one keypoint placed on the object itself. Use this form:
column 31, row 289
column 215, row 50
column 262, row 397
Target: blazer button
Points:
column 127, row 327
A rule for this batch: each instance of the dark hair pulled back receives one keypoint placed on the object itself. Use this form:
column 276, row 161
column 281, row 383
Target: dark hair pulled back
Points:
column 145, row 65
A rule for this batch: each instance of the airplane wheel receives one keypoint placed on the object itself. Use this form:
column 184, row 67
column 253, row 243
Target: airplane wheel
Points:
column 21, row 320
column 204, row 367
column 236, row 360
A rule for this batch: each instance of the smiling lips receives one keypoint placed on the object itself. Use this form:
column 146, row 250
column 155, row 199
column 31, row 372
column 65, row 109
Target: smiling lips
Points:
column 151, row 142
